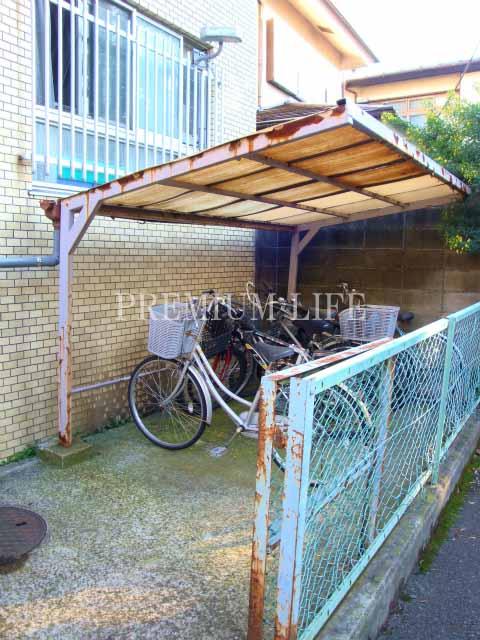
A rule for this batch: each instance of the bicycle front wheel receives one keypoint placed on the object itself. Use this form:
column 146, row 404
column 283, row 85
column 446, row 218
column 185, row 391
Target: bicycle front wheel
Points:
column 167, row 403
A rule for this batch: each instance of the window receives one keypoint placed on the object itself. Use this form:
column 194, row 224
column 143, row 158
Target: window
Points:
column 295, row 67
column 114, row 92
column 415, row 109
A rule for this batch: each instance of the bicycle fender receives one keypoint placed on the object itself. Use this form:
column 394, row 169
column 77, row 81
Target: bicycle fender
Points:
column 198, row 378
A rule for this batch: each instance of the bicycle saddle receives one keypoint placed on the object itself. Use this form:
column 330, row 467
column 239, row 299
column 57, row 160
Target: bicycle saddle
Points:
column 406, row 316
column 315, row 326
column 272, row 352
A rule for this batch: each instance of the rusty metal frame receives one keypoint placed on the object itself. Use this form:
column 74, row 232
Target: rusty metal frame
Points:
column 78, row 211
column 266, row 437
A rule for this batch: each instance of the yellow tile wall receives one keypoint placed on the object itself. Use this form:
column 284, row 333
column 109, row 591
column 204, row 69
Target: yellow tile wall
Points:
column 113, row 256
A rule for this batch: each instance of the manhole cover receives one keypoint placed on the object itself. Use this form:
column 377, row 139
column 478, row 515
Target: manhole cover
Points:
column 21, row 531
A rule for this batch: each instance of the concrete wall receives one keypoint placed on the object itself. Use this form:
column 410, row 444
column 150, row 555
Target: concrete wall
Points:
column 114, row 256
column 397, row 260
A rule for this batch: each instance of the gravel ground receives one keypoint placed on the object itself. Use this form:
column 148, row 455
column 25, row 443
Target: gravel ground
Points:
column 142, row 543
column 443, row 603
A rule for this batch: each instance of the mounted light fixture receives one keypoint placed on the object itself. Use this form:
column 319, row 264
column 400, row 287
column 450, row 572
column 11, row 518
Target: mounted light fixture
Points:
column 216, row 34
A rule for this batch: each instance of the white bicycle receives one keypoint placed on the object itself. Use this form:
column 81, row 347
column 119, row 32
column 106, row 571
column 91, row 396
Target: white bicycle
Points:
column 170, row 392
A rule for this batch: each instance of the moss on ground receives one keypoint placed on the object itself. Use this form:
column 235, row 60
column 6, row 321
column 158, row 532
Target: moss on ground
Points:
column 28, row 452
column 450, row 514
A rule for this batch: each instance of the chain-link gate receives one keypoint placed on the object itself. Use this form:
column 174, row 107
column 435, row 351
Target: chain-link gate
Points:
column 358, row 440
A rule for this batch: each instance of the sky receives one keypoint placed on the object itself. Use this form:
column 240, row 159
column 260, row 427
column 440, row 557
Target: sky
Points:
column 413, row 33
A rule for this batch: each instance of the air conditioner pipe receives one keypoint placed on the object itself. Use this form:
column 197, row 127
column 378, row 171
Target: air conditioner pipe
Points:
column 17, row 262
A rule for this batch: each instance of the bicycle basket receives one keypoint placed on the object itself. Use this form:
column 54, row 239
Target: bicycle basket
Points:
column 216, row 336
column 173, row 330
column 368, row 322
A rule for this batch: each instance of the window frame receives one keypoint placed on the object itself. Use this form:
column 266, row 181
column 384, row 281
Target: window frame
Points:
column 409, row 112
column 61, row 117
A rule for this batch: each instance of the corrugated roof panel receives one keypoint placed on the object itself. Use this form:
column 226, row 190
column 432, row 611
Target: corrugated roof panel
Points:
column 404, row 186
column 305, row 191
column 147, row 195
column 418, row 195
column 262, row 182
column 316, row 144
column 384, row 174
column 192, row 201
column 228, row 170
column 283, row 213
column 337, row 200
column 356, row 207
column 244, row 207
column 340, row 162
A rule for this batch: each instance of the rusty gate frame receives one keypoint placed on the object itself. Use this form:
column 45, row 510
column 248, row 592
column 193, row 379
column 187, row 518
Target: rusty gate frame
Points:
column 268, row 432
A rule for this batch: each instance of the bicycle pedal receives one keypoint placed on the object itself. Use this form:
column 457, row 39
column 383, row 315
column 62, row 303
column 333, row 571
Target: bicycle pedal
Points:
column 218, row 452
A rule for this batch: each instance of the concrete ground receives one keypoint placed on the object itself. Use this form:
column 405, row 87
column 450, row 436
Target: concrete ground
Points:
column 443, row 603
column 142, row 543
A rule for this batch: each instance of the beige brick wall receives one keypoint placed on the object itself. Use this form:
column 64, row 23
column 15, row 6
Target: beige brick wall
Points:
column 113, row 257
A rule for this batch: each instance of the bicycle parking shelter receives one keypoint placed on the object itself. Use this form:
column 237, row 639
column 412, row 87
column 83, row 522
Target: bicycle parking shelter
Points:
column 336, row 166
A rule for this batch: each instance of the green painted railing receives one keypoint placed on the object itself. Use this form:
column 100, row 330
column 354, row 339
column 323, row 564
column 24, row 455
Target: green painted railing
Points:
column 363, row 437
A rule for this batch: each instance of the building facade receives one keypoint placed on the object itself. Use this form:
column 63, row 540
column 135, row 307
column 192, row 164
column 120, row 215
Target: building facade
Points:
column 413, row 92
column 305, row 48
column 63, row 70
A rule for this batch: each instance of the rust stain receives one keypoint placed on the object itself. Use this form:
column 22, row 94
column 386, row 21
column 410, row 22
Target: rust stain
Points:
column 280, row 439
column 257, row 591
column 257, row 572
column 52, row 211
column 289, row 129
column 130, row 178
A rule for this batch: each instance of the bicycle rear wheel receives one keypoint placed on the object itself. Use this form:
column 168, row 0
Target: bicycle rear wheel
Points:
column 167, row 404
column 230, row 366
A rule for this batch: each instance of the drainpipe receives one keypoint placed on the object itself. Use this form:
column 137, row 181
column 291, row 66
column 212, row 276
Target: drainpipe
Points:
column 52, row 211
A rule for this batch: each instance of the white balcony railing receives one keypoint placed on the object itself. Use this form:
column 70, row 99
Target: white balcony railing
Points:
column 115, row 92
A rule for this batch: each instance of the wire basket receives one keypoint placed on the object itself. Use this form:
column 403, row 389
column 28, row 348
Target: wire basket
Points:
column 216, row 336
column 173, row 330
column 369, row 322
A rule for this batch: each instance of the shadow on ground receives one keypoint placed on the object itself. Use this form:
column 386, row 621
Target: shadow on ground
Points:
column 142, row 542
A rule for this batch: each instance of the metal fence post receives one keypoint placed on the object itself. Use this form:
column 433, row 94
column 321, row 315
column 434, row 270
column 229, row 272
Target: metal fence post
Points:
column 262, row 507
column 384, row 418
column 300, row 424
column 443, row 399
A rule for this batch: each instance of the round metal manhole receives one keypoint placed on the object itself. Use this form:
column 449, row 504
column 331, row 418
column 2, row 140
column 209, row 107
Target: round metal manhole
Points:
column 21, row 530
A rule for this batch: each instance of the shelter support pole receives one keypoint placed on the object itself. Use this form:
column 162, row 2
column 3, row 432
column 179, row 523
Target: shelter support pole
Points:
column 72, row 228
column 64, row 330
column 293, row 268
column 296, row 248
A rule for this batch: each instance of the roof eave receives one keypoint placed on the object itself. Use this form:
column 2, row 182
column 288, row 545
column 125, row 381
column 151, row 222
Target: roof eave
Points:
column 412, row 74
column 353, row 50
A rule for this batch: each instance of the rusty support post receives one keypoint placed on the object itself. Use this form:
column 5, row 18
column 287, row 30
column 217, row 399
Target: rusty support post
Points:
column 293, row 267
column 266, row 433
column 75, row 218
column 64, row 330
column 294, row 506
